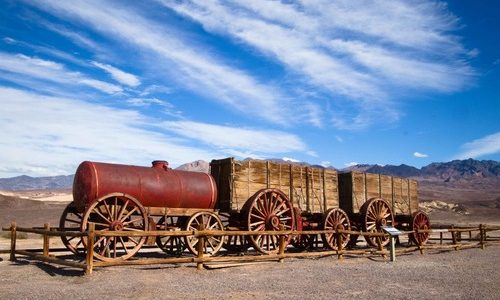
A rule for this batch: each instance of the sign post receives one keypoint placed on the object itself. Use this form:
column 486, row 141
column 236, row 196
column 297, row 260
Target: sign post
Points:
column 393, row 233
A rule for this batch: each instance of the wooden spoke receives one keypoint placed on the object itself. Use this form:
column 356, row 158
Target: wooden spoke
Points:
column 335, row 218
column 71, row 220
column 376, row 213
column 268, row 209
column 121, row 213
column 210, row 221
column 172, row 245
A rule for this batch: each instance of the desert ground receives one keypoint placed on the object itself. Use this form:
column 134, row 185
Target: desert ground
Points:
column 464, row 274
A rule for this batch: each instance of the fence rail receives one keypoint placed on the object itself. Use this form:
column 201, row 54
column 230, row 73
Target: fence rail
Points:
column 480, row 240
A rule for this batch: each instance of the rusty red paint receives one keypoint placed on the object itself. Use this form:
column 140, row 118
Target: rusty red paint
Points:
column 156, row 186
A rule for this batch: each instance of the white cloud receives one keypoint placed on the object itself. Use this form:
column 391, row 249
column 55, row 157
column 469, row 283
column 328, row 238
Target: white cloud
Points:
column 46, row 70
column 420, row 155
column 241, row 139
column 119, row 75
column 290, row 159
column 190, row 65
column 356, row 50
column 351, row 164
column 489, row 144
column 44, row 135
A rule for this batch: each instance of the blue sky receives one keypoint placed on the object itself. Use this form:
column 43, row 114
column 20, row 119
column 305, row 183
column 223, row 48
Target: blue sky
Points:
column 327, row 82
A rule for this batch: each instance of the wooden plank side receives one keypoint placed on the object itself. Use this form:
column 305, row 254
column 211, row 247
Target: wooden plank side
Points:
column 372, row 186
column 279, row 177
column 315, row 195
column 386, row 188
column 413, row 196
column 299, row 187
column 359, row 191
column 331, row 190
column 397, row 189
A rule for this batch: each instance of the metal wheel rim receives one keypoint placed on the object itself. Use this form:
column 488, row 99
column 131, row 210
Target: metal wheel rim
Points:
column 71, row 220
column 377, row 213
column 334, row 218
column 211, row 222
column 420, row 221
column 269, row 207
column 106, row 213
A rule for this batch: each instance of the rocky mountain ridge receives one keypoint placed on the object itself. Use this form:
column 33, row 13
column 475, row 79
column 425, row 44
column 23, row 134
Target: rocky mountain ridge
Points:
column 469, row 170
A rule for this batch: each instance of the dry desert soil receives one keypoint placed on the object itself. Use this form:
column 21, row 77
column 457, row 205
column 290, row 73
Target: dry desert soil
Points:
column 464, row 274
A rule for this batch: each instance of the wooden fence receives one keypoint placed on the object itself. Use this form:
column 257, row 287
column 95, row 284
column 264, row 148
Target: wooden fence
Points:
column 481, row 239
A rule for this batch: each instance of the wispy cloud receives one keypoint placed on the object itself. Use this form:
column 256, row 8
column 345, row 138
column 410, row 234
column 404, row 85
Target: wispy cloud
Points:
column 119, row 75
column 487, row 145
column 420, row 155
column 44, row 135
column 191, row 66
column 50, row 71
column 242, row 139
column 356, row 50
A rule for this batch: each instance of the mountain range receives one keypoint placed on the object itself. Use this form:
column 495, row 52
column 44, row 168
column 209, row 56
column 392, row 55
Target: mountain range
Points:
column 469, row 170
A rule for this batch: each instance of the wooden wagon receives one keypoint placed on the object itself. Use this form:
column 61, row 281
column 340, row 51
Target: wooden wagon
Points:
column 375, row 200
column 253, row 192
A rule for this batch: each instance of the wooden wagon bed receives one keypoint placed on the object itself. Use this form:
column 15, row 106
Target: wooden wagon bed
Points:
column 312, row 189
column 356, row 188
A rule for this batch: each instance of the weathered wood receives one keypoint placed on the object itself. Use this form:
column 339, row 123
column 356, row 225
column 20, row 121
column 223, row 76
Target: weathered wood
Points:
column 89, row 259
column 13, row 237
column 482, row 234
column 356, row 188
column 46, row 240
column 339, row 242
column 200, row 248
column 312, row 189
column 175, row 212
column 281, row 245
column 50, row 232
column 51, row 259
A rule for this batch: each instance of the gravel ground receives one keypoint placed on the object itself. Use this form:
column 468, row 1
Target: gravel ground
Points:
column 465, row 274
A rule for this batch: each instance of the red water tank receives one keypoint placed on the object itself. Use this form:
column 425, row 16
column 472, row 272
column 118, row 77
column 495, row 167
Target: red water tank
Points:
column 156, row 186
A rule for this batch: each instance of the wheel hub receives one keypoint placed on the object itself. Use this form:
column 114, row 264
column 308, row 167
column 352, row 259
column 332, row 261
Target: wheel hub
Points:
column 116, row 226
column 272, row 222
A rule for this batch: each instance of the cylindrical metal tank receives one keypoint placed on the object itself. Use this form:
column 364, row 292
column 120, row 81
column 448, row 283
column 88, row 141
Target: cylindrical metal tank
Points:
column 156, row 186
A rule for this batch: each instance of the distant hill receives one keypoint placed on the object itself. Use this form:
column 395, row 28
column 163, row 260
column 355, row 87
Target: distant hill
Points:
column 23, row 182
column 469, row 170
column 195, row 166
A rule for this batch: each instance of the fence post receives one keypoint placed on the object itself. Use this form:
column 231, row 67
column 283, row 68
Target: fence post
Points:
column 90, row 249
column 481, row 234
column 339, row 242
column 281, row 240
column 46, row 240
column 13, row 237
column 420, row 246
column 200, row 248
column 380, row 247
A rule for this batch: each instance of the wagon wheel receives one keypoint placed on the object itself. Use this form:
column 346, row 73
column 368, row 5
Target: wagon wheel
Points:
column 71, row 220
column 114, row 212
column 420, row 221
column 172, row 245
column 269, row 209
column 376, row 213
column 335, row 218
column 210, row 221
